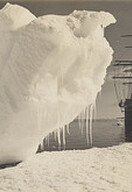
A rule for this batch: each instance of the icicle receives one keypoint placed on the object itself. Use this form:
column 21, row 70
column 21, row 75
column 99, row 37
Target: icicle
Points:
column 43, row 145
column 59, row 139
column 58, row 131
column 40, row 148
column 55, row 135
column 94, row 111
column 79, row 121
column 46, row 140
column 64, row 138
column 83, row 122
column 68, row 129
column 48, row 143
column 90, row 123
column 87, row 124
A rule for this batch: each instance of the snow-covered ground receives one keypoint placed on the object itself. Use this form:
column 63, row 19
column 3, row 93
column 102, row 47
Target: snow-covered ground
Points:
column 93, row 170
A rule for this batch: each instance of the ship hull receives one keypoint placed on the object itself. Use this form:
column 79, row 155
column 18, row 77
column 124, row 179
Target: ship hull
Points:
column 128, row 120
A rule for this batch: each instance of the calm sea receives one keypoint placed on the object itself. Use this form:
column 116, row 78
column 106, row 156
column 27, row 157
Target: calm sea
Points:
column 104, row 133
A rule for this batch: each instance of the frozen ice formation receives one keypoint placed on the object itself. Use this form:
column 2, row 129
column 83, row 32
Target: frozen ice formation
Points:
column 51, row 69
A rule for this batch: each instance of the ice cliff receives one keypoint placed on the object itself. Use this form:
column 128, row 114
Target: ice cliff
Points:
column 51, row 68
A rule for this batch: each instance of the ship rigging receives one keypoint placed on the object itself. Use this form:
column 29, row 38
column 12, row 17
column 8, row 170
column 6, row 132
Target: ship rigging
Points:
column 123, row 89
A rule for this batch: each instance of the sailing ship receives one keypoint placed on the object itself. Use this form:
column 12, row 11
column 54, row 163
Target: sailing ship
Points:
column 123, row 89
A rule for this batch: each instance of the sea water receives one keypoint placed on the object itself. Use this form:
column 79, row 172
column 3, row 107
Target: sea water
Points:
column 105, row 133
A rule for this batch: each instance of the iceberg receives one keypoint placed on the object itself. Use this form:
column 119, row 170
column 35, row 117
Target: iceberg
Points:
column 51, row 69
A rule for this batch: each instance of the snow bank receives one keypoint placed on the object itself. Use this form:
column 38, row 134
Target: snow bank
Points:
column 51, row 68
column 93, row 170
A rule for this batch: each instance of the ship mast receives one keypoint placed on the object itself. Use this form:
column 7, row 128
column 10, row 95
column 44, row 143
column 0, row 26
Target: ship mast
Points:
column 126, row 80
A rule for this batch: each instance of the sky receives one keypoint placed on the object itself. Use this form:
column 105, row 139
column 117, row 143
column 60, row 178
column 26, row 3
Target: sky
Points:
column 107, row 105
column 69, row 0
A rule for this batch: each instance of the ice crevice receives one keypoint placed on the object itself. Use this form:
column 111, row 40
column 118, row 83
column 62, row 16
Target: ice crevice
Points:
column 51, row 69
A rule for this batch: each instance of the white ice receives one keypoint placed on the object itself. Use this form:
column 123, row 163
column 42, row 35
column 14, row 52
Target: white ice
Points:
column 51, row 69
column 93, row 170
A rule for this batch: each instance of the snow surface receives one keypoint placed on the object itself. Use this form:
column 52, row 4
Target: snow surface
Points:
column 51, row 69
column 92, row 170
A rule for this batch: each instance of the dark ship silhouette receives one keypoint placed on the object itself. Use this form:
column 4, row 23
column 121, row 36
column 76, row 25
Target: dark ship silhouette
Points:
column 123, row 89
